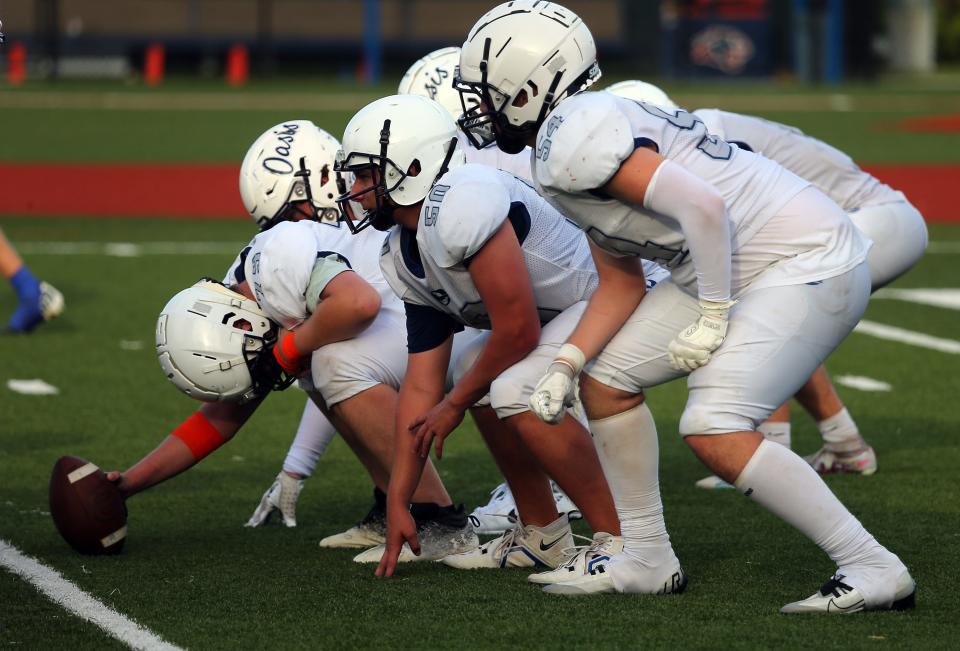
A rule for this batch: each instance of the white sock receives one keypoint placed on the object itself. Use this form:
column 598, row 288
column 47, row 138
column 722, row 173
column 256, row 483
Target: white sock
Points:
column 629, row 453
column 313, row 436
column 776, row 432
column 840, row 433
column 790, row 489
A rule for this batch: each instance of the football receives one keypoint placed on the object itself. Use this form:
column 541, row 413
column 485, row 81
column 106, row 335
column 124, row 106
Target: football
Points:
column 87, row 509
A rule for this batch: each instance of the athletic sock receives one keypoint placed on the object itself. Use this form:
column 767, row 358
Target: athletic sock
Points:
column 776, row 432
column 789, row 488
column 840, row 433
column 313, row 436
column 25, row 284
column 28, row 313
column 629, row 454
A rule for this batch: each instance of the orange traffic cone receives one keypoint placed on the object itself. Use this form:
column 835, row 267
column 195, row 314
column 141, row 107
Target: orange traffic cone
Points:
column 16, row 64
column 153, row 64
column 238, row 65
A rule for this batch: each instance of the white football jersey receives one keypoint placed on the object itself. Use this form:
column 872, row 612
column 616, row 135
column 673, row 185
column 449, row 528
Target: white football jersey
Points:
column 462, row 212
column 826, row 167
column 516, row 164
column 587, row 137
column 287, row 266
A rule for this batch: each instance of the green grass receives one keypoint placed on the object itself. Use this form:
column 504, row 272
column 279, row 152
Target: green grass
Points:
column 191, row 573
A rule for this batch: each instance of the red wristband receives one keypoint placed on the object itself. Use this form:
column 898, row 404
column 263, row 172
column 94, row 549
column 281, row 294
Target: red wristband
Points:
column 287, row 354
column 200, row 435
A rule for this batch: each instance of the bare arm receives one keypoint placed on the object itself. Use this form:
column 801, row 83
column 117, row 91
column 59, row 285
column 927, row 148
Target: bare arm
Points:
column 174, row 455
column 348, row 305
column 422, row 387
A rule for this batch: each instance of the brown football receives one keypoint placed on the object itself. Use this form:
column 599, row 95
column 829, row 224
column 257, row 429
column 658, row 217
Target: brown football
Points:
column 89, row 510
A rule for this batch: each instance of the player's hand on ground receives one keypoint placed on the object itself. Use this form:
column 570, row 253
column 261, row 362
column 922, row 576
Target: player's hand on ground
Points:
column 401, row 528
column 693, row 345
column 435, row 425
column 281, row 496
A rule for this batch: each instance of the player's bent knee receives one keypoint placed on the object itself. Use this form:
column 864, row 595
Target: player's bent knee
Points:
column 509, row 396
column 602, row 401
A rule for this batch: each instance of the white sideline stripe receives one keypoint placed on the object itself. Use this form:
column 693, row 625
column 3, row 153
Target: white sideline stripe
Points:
column 129, row 249
column 890, row 333
column 862, row 383
column 944, row 297
column 63, row 592
column 944, row 247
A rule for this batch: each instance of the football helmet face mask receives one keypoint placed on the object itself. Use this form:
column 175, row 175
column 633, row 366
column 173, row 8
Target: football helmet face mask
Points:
column 289, row 171
column 519, row 61
column 641, row 91
column 397, row 147
column 210, row 341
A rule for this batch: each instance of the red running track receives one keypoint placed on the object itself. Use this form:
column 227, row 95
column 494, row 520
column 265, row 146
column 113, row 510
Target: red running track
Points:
column 210, row 191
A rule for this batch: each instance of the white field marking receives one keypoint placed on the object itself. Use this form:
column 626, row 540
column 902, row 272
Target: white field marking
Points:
column 131, row 344
column 129, row 249
column 948, row 247
column 948, row 297
column 891, row 333
column 862, row 383
column 61, row 591
column 35, row 387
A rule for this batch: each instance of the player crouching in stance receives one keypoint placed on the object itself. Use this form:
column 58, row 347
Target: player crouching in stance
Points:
column 884, row 215
column 477, row 247
column 339, row 319
column 768, row 276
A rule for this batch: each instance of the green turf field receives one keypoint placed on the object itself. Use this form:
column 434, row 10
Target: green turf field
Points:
column 192, row 574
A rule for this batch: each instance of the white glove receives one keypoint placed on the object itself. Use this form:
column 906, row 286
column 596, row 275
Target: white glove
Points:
column 281, row 496
column 691, row 348
column 560, row 387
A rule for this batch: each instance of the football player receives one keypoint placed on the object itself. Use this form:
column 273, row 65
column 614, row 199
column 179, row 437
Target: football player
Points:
column 324, row 287
column 896, row 228
column 37, row 301
column 474, row 246
column 768, row 276
column 432, row 76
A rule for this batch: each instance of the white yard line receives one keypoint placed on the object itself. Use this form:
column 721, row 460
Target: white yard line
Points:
column 862, row 383
column 63, row 592
column 944, row 247
column 129, row 249
column 909, row 337
column 947, row 297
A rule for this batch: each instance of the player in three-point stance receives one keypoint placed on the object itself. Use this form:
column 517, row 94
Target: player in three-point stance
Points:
column 768, row 276
column 474, row 246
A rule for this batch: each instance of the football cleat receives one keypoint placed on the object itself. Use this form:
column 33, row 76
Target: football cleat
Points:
column 369, row 532
column 500, row 513
column 442, row 531
column 713, row 483
column 521, row 546
column 46, row 304
column 858, row 462
column 838, row 597
column 620, row 574
column 580, row 560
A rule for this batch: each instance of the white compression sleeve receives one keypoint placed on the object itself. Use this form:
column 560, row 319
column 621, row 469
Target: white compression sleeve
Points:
column 313, row 436
column 702, row 215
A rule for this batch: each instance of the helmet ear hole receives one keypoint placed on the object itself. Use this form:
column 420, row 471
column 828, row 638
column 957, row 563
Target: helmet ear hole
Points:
column 243, row 324
column 415, row 168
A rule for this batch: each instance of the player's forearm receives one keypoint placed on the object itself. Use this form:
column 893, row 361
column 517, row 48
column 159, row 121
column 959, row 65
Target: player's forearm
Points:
column 608, row 309
column 169, row 459
column 702, row 214
column 337, row 318
column 407, row 463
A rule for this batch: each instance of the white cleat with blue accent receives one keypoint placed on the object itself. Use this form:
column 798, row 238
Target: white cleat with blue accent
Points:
column 838, row 597
column 521, row 546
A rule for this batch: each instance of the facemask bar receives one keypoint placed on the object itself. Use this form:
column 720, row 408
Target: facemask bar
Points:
column 380, row 217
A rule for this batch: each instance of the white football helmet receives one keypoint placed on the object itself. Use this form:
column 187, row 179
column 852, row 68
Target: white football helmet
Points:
column 641, row 91
column 409, row 142
column 290, row 162
column 432, row 76
column 207, row 338
column 520, row 60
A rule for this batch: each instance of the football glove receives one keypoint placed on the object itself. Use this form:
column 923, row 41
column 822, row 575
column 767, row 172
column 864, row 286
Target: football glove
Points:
column 281, row 496
column 560, row 387
column 691, row 348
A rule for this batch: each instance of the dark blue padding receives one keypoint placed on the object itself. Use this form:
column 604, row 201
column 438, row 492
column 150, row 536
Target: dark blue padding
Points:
column 428, row 327
column 411, row 253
